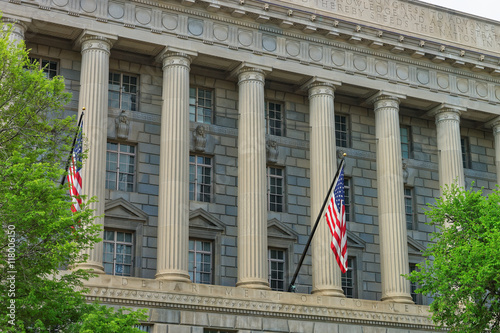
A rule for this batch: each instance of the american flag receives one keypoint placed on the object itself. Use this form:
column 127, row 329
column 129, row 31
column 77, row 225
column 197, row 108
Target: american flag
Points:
column 74, row 177
column 335, row 217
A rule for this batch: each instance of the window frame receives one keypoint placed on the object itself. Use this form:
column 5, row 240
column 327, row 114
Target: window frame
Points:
column 268, row 110
column 121, row 91
column 196, row 164
column 269, row 194
column 197, row 105
column 351, row 268
column 115, row 242
column 338, row 131
column 466, row 154
column 408, row 143
column 411, row 197
column 270, row 261
column 40, row 61
column 212, row 261
column 418, row 299
column 118, row 173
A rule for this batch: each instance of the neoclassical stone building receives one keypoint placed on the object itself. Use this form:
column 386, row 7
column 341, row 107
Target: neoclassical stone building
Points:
column 214, row 129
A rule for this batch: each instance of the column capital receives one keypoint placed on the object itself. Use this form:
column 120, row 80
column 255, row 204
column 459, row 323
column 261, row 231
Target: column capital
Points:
column 249, row 68
column 447, row 112
column 91, row 40
column 323, row 86
column 494, row 124
column 19, row 26
column 388, row 97
column 168, row 54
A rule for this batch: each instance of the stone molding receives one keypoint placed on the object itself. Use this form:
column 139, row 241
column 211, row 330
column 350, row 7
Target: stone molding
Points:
column 285, row 45
column 234, row 300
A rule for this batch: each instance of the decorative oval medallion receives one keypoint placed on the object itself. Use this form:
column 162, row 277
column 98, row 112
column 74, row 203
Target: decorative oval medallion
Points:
column 220, row 32
column 195, row 27
column 116, row 11
column 169, row 21
column 269, row 43
column 338, row 58
column 316, row 53
column 360, row 63
column 402, row 72
column 245, row 37
column 89, row 5
column 482, row 90
column 292, row 49
column 462, row 85
column 443, row 81
column 423, row 76
column 143, row 16
column 381, row 67
column 60, row 3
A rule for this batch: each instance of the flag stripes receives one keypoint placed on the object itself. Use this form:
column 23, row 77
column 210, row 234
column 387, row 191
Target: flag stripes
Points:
column 74, row 177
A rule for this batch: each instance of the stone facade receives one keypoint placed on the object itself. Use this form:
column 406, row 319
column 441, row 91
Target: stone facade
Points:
column 395, row 72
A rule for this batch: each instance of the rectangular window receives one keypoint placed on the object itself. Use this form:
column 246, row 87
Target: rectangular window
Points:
column 341, row 131
column 123, row 91
column 409, row 208
column 118, row 249
column 276, row 260
column 145, row 328
column 349, row 279
column 213, row 330
column 201, row 105
column 275, row 119
column 347, row 198
column 120, row 167
column 200, row 261
column 200, row 178
column 49, row 67
column 417, row 298
column 464, row 141
column 275, row 189
column 405, row 141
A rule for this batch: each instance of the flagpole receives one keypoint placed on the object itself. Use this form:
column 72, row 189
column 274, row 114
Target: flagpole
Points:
column 291, row 288
column 72, row 146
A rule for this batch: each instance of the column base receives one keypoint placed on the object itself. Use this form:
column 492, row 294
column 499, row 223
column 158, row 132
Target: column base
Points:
column 398, row 298
column 173, row 276
column 329, row 292
column 95, row 267
column 254, row 284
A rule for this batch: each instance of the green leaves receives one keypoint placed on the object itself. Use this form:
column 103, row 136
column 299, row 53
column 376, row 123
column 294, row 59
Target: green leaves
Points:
column 39, row 234
column 464, row 275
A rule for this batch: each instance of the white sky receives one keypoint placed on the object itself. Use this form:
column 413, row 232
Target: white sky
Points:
column 485, row 8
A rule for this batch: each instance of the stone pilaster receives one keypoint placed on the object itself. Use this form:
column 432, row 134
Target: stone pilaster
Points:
column 391, row 209
column 252, row 185
column 173, row 198
column 451, row 168
column 495, row 124
column 94, row 98
column 326, row 275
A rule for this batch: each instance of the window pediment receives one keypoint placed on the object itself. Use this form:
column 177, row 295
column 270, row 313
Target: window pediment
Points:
column 201, row 219
column 120, row 209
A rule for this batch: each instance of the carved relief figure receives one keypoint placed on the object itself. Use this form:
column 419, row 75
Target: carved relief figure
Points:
column 122, row 125
column 200, row 138
column 272, row 151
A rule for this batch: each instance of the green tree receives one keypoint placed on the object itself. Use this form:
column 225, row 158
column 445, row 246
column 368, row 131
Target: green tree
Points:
column 462, row 272
column 39, row 234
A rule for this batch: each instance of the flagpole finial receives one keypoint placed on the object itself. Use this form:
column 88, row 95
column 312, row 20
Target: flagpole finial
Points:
column 83, row 108
column 344, row 154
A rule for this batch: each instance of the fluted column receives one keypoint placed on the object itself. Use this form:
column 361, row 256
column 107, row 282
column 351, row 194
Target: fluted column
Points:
column 391, row 209
column 496, row 133
column 326, row 275
column 451, row 168
column 94, row 98
column 173, row 198
column 252, row 185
